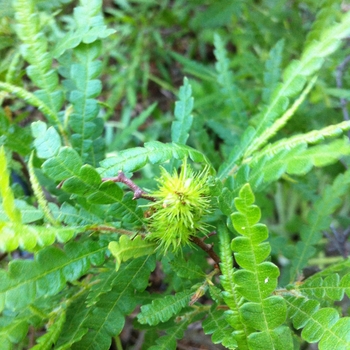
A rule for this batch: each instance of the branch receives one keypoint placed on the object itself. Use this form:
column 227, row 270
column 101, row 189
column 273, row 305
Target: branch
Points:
column 138, row 191
column 208, row 248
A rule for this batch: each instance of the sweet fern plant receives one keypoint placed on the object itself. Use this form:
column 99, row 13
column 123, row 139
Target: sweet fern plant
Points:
column 235, row 210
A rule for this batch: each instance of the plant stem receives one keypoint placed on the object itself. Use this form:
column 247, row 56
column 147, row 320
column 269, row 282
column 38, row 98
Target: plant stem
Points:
column 138, row 191
column 208, row 248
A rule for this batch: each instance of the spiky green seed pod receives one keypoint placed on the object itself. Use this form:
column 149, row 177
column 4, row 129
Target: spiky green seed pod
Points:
column 182, row 201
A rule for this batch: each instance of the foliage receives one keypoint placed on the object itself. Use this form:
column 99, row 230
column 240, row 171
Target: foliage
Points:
column 231, row 212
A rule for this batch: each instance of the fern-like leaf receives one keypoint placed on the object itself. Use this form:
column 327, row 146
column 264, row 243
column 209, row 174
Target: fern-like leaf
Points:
column 331, row 287
column 232, row 298
column 13, row 330
column 13, row 232
column 183, row 118
column 48, row 273
column 154, row 152
column 216, row 324
column 39, row 194
column 187, row 269
column 161, row 310
column 168, row 341
column 319, row 219
column 34, row 50
column 294, row 76
column 33, row 100
column 92, row 327
column 321, row 325
column 84, row 121
column 127, row 248
column 312, row 137
column 257, row 278
column 46, row 341
column 89, row 27
column 297, row 160
column 226, row 80
column 272, row 72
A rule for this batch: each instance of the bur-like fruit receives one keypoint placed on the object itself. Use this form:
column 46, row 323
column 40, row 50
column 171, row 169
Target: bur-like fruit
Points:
column 182, row 200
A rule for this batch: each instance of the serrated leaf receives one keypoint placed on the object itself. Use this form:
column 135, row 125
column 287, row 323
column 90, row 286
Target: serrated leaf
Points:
column 319, row 220
column 272, row 70
column 270, row 314
column 12, row 330
column 108, row 192
column 321, row 325
column 161, row 310
column 225, row 79
column 83, row 184
column 46, row 341
column 216, row 324
column 47, row 274
column 187, row 269
column 183, row 119
column 313, row 331
column 92, row 327
column 127, row 248
column 155, row 152
column 278, row 339
column 28, row 212
column 13, row 236
column 66, row 164
column 338, row 336
column 47, row 142
column 330, row 287
column 264, row 278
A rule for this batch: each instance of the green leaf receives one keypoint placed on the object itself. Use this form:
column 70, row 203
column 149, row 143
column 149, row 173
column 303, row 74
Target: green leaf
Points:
column 88, row 28
column 84, row 120
column 28, row 212
column 12, row 330
column 39, row 193
column 67, row 163
column 34, row 50
column 108, row 193
column 121, row 139
column 183, row 119
column 279, row 339
column 320, row 325
column 46, row 341
column 216, row 325
column 47, row 141
column 272, row 70
column 329, row 287
column 318, row 220
column 85, row 183
column 229, row 89
column 294, row 78
column 256, row 279
column 127, row 248
column 338, row 336
column 30, row 237
column 48, row 273
column 187, row 269
column 161, row 310
column 168, row 342
column 270, row 314
column 231, row 296
column 134, row 159
column 91, row 327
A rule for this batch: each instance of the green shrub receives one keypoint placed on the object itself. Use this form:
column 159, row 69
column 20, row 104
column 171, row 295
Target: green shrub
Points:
column 86, row 194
